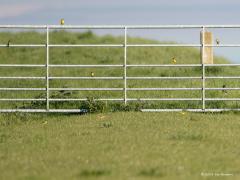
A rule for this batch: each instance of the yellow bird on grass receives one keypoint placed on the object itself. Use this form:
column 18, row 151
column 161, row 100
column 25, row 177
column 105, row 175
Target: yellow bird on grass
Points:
column 92, row 74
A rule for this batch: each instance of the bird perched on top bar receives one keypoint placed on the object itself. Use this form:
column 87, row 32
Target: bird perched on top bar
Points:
column 62, row 22
column 8, row 44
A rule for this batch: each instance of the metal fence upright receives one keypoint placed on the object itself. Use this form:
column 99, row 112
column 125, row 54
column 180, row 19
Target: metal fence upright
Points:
column 125, row 65
column 203, row 68
column 47, row 70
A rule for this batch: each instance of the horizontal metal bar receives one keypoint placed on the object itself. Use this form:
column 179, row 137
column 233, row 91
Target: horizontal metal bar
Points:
column 22, row 99
column 223, row 77
column 121, row 26
column 118, row 45
column 180, row 65
column 99, row 26
column 164, row 45
column 180, row 26
column 182, row 45
column 113, row 89
column 132, row 99
column 116, row 65
column 44, row 110
column 23, row 78
column 141, row 65
column 222, row 26
column 222, row 45
column 120, row 78
column 164, row 99
column 163, row 89
column 220, row 65
column 22, row 89
column 86, row 26
column 22, row 45
column 190, row 110
column 85, row 99
column 129, row 99
column 24, row 26
column 85, row 89
column 68, row 110
column 117, row 26
column 131, row 45
column 22, row 65
column 86, row 45
column 84, row 110
column 163, row 78
column 164, row 65
column 130, row 78
column 222, row 99
column 133, row 65
column 222, row 89
column 86, row 78
column 171, row 110
column 22, row 110
column 84, row 66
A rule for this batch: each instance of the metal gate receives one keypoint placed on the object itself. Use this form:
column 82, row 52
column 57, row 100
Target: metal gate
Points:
column 125, row 66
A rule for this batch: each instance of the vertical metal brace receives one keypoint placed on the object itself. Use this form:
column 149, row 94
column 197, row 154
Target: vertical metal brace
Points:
column 125, row 65
column 203, row 68
column 47, row 70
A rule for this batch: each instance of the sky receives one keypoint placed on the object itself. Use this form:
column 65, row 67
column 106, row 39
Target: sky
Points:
column 120, row 11
column 131, row 12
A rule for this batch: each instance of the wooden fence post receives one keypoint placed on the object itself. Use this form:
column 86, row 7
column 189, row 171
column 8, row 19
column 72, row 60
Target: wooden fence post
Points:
column 206, row 52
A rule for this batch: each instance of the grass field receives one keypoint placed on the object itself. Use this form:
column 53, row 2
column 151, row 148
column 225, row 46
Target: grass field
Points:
column 123, row 145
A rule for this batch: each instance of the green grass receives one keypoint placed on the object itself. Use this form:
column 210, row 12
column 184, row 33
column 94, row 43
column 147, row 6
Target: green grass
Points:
column 123, row 145
column 136, row 55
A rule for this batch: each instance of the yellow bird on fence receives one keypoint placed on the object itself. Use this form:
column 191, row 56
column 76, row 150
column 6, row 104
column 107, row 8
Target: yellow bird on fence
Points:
column 174, row 61
column 92, row 74
column 62, row 22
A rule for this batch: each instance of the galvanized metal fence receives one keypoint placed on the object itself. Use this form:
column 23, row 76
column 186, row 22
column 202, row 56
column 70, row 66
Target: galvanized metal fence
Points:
column 124, row 65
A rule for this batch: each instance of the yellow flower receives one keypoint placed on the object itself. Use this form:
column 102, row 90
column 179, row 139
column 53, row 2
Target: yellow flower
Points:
column 183, row 113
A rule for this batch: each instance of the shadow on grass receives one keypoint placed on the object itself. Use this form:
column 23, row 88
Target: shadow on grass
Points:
column 152, row 172
column 186, row 136
column 94, row 173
